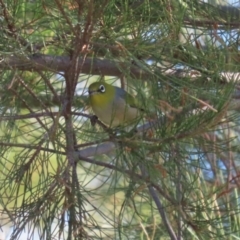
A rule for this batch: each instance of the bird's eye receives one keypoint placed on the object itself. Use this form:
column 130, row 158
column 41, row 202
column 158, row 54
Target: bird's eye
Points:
column 101, row 89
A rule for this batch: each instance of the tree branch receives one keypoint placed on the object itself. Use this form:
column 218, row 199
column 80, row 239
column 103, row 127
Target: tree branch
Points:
column 40, row 62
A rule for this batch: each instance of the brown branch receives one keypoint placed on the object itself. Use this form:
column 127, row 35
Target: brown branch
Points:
column 102, row 67
column 64, row 15
column 57, row 64
column 11, row 30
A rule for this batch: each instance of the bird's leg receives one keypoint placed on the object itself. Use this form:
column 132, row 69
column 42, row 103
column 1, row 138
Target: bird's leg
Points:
column 94, row 119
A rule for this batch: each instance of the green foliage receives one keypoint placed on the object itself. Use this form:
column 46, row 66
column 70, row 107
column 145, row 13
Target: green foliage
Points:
column 177, row 178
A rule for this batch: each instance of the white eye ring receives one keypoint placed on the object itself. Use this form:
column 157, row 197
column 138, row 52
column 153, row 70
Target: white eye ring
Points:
column 101, row 88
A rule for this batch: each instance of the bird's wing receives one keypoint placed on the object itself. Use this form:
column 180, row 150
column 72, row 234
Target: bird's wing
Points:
column 133, row 102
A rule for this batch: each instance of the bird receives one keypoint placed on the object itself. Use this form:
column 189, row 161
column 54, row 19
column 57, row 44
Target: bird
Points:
column 113, row 105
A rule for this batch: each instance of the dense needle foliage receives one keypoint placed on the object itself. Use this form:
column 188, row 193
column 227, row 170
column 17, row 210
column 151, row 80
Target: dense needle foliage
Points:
column 62, row 177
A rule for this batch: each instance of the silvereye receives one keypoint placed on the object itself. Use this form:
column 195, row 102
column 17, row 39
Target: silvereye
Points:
column 113, row 105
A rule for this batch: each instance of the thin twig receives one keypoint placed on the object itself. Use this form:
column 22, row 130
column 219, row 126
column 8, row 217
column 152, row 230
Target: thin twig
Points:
column 160, row 207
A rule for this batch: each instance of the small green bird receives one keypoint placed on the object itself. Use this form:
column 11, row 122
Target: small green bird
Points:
column 113, row 105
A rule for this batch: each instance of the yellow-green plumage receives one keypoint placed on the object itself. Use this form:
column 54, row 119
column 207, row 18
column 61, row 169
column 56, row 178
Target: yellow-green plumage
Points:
column 113, row 105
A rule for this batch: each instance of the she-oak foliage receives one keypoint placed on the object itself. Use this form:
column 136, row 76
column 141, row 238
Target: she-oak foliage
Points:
column 62, row 177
